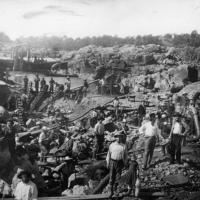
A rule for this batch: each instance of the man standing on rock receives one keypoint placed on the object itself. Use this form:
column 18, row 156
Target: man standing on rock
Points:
column 42, row 84
column 37, row 80
column 141, row 112
column 51, row 85
column 85, row 87
column 25, row 84
column 116, row 104
column 116, row 160
column 176, row 135
column 99, row 137
column 150, row 131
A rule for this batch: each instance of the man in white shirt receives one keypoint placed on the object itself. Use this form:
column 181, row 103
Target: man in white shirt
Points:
column 26, row 189
column 43, row 140
column 150, row 131
column 178, row 131
column 102, row 85
column 116, row 159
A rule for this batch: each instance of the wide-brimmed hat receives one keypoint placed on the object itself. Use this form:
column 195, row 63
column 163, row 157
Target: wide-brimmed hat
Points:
column 23, row 172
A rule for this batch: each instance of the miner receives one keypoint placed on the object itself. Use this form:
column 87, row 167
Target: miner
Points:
column 51, row 85
column 150, row 131
column 25, row 84
column 99, row 137
column 37, row 80
column 178, row 131
column 116, row 160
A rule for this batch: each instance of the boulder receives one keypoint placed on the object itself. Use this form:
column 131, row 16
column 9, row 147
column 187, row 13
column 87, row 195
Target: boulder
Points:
column 191, row 90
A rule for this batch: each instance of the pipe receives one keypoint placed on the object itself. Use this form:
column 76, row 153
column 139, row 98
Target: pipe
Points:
column 102, row 184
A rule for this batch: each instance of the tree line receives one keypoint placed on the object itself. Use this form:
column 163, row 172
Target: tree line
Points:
column 66, row 43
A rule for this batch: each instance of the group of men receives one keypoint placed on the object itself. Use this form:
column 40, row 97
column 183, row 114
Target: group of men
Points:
column 170, row 130
column 39, row 84
column 153, row 127
column 123, row 85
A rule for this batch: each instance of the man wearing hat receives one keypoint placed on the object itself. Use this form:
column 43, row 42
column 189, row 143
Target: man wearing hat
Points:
column 150, row 131
column 51, row 84
column 10, row 133
column 26, row 189
column 116, row 159
column 178, row 130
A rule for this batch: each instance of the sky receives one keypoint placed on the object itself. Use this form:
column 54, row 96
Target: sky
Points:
column 80, row 18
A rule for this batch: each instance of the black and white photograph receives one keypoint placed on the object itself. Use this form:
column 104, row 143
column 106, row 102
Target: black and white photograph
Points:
column 99, row 100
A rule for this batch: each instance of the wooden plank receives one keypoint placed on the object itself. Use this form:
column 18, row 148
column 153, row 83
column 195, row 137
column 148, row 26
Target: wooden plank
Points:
column 82, row 197
column 98, row 196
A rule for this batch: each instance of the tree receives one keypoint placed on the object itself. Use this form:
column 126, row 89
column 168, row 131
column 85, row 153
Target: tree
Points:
column 4, row 37
column 195, row 39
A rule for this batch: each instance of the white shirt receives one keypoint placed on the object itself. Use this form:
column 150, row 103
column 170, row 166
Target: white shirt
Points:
column 148, row 130
column 115, row 103
column 26, row 191
column 94, row 113
column 117, row 151
column 177, row 128
column 102, row 82
column 42, row 137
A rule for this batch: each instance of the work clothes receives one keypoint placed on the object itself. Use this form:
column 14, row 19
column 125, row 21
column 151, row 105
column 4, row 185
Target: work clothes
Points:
column 26, row 191
column 148, row 129
column 150, row 133
column 37, row 80
column 116, row 159
column 99, row 129
column 116, row 107
column 175, row 148
column 116, row 167
column 51, row 84
column 99, row 138
column 141, row 114
column 178, row 131
column 117, row 151
column 150, row 144
column 131, row 175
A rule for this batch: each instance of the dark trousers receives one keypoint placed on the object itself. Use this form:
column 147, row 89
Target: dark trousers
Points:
column 126, row 89
column 175, row 148
column 51, row 89
column 98, row 145
column 116, row 167
column 149, row 149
